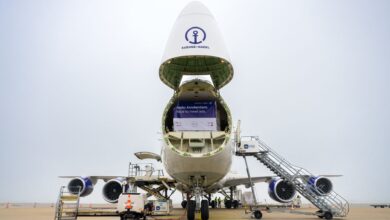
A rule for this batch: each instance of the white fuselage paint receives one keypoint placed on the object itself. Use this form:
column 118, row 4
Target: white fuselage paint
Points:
column 214, row 168
column 195, row 39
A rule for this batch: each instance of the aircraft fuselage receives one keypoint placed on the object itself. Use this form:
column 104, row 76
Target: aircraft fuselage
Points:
column 197, row 151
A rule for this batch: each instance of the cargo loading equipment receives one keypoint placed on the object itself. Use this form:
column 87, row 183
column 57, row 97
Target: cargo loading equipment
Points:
column 140, row 175
column 67, row 205
column 330, row 205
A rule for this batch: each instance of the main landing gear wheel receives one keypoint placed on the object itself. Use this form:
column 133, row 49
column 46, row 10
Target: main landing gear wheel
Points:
column 204, row 209
column 228, row 204
column 258, row 214
column 235, row 204
column 191, row 210
column 184, row 204
column 212, row 204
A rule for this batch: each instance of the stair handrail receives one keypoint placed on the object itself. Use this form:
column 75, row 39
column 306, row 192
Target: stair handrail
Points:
column 334, row 199
column 58, row 204
column 78, row 202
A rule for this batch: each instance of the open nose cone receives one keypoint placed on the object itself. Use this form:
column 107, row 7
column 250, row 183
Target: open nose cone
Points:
column 195, row 47
column 195, row 7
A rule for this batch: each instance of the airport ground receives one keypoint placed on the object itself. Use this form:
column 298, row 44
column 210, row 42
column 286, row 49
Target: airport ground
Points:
column 361, row 212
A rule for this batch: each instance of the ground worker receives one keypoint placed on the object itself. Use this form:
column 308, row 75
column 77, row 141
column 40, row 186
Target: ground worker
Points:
column 216, row 202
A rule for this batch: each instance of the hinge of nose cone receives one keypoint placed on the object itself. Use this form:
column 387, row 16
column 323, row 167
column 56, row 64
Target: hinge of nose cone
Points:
column 218, row 69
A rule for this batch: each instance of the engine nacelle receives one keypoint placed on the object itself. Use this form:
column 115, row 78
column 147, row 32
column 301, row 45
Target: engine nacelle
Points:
column 84, row 185
column 320, row 185
column 281, row 190
column 113, row 189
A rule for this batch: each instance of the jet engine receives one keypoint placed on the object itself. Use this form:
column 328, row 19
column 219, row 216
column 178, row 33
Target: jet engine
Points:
column 320, row 185
column 113, row 188
column 82, row 185
column 281, row 190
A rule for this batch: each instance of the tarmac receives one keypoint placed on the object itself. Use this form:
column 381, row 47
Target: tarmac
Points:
column 47, row 213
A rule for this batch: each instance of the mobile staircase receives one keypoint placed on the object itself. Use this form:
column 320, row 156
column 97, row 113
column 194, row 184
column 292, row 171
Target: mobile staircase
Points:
column 330, row 205
column 67, row 206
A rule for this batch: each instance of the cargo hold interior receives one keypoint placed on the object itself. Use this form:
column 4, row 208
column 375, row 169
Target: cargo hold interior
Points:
column 204, row 140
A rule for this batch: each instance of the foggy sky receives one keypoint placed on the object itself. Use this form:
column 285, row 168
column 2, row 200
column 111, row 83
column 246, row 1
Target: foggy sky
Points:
column 80, row 92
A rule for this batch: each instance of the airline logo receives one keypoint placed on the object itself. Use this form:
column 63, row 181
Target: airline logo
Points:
column 195, row 36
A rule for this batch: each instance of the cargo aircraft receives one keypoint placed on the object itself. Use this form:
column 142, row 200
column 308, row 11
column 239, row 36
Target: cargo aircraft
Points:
column 197, row 129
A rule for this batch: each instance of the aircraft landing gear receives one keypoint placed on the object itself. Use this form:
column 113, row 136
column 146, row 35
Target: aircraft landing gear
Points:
column 191, row 204
column 204, row 210
column 213, row 204
column 235, row 204
column 184, row 204
column 231, row 203
column 198, row 204
column 228, row 204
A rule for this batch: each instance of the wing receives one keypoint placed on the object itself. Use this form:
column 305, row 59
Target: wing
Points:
column 329, row 175
column 245, row 180
column 95, row 178
column 139, row 180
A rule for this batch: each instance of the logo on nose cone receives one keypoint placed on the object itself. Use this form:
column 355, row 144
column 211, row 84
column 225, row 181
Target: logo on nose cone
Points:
column 195, row 35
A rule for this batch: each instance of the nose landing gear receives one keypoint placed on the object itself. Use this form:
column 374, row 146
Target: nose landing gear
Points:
column 204, row 210
column 191, row 209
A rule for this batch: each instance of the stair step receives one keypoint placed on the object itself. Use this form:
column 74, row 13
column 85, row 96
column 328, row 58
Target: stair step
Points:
column 67, row 205
column 282, row 168
column 69, row 198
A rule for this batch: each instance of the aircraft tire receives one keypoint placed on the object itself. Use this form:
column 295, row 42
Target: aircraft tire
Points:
column 204, row 210
column 212, row 204
column 184, row 204
column 235, row 204
column 228, row 204
column 191, row 210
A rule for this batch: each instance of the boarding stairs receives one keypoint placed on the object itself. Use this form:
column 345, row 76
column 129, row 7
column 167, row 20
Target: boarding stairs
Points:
column 332, row 203
column 67, row 205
